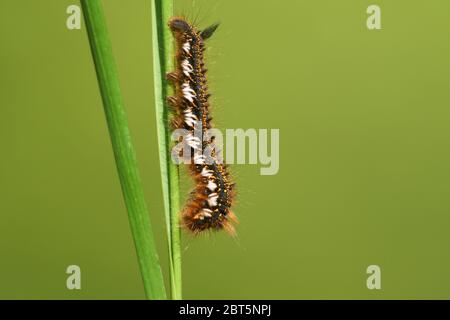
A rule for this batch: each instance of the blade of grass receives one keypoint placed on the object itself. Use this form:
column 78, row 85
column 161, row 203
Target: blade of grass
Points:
column 123, row 149
column 163, row 62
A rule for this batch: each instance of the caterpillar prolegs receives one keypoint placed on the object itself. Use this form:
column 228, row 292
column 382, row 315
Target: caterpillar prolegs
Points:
column 209, row 205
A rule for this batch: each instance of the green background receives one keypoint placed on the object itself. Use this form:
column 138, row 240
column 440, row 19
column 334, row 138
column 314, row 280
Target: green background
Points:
column 364, row 151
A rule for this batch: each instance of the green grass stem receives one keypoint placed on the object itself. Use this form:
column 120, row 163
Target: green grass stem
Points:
column 123, row 149
column 163, row 61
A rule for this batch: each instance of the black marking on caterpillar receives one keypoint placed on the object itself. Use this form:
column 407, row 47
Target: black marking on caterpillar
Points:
column 209, row 205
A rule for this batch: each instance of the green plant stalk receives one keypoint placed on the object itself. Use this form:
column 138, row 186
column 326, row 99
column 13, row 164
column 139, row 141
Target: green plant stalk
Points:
column 123, row 149
column 163, row 61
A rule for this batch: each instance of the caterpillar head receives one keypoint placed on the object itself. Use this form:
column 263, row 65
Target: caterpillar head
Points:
column 178, row 24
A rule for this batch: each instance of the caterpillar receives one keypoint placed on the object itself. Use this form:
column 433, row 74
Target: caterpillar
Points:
column 208, row 207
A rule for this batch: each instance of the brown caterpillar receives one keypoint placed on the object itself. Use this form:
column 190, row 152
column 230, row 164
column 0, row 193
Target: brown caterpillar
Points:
column 209, row 205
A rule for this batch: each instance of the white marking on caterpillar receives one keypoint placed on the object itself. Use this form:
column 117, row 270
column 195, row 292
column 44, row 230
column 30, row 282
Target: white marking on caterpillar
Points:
column 207, row 212
column 187, row 68
column 189, row 117
column 211, row 185
column 187, row 47
column 193, row 142
column 199, row 159
column 188, row 93
column 206, row 173
column 212, row 199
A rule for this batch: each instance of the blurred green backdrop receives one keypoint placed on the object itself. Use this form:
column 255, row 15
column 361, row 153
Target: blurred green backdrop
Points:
column 364, row 153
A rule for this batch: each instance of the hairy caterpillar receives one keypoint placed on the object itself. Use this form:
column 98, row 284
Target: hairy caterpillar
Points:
column 209, row 205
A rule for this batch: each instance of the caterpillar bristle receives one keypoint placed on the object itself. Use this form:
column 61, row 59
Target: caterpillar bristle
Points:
column 208, row 32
